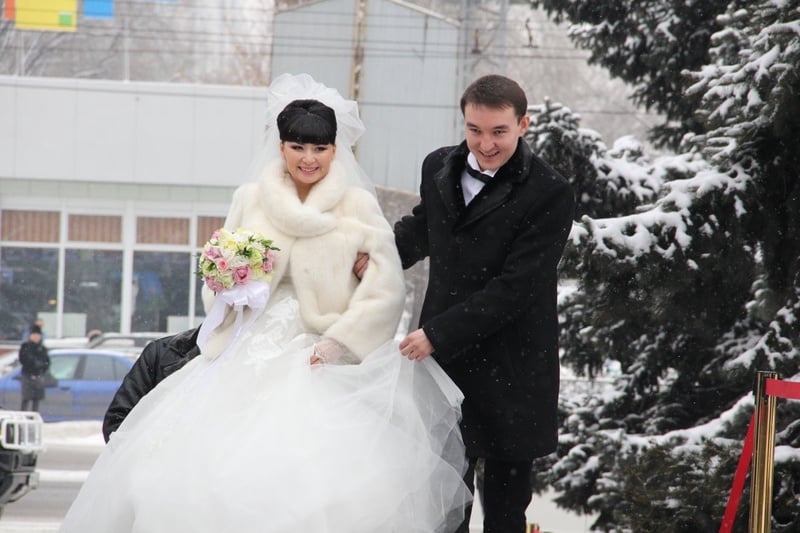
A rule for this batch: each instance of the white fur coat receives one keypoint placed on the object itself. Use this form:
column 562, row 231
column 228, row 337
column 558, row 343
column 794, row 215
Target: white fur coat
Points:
column 318, row 241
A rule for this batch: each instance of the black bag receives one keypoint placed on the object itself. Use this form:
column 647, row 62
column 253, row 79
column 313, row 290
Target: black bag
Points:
column 32, row 387
column 49, row 380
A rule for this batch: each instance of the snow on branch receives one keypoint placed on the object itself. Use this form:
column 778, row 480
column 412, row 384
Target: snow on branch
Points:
column 665, row 226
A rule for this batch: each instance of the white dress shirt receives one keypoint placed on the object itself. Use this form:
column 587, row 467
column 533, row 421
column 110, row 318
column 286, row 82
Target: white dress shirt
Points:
column 469, row 185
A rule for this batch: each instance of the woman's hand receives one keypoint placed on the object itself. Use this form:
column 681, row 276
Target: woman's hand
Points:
column 360, row 266
column 327, row 351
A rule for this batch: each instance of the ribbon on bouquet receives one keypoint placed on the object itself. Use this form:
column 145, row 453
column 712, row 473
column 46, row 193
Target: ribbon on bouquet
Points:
column 253, row 295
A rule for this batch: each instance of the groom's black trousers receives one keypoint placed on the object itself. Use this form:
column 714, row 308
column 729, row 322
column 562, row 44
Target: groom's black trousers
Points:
column 505, row 495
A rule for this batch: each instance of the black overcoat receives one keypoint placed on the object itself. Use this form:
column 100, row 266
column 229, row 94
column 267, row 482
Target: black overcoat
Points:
column 35, row 363
column 490, row 306
column 158, row 359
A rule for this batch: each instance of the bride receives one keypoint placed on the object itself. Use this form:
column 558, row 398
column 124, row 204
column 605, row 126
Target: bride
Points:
column 301, row 415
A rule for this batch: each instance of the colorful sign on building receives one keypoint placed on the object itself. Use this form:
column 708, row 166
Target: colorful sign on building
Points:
column 98, row 9
column 47, row 15
column 8, row 9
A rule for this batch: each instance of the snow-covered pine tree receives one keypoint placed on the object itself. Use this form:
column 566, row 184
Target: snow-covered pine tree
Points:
column 639, row 302
column 606, row 182
column 692, row 293
column 648, row 44
column 751, row 102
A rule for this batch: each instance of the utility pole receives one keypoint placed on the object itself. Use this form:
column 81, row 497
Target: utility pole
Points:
column 464, row 50
column 359, row 37
column 126, row 42
column 502, row 27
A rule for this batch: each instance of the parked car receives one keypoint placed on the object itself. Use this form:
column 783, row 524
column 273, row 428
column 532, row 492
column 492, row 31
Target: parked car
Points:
column 87, row 381
column 20, row 444
column 8, row 360
column 131, row 344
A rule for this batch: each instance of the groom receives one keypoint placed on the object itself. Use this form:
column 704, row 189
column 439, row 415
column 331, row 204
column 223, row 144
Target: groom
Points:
column 493, row 218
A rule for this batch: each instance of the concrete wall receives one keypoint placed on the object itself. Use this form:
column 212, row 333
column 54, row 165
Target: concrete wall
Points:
column 134, row 132
column 408, row 92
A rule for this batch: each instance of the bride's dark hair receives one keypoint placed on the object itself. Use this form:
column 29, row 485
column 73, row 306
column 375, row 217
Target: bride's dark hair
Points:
column 307, row 121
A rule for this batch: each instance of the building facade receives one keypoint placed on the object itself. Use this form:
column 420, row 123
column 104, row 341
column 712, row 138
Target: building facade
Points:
column 107, row 191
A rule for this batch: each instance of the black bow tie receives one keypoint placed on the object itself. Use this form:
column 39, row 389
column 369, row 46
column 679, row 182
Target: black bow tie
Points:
column 478, row 175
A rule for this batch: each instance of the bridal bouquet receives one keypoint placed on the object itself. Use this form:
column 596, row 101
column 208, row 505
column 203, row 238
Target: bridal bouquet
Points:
column 232, row 258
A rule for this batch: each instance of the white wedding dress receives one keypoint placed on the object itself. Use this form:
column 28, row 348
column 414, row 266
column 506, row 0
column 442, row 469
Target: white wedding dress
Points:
column 257, row 440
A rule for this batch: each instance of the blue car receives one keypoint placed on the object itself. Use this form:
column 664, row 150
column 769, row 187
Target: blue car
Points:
column 87, row 381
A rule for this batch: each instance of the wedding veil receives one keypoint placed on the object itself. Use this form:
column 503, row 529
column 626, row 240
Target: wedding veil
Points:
column 288, row 87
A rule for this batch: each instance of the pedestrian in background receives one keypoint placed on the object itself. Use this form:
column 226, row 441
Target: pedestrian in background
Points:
column 39, row 323
column 35, row 364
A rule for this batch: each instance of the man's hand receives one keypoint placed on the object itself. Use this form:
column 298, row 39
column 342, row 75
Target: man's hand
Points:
column 360, row 266
column 416, row 346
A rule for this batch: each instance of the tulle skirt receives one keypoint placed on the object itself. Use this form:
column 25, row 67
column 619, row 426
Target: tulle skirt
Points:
column 258, row 440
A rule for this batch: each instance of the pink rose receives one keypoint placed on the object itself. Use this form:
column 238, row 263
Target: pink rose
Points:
column 213, row 284
column 241, row 275
column 212, row 253
column 267, row 265
column 222, row 264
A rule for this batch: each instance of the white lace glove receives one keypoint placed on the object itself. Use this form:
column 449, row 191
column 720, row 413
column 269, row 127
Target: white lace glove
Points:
column 327, row 351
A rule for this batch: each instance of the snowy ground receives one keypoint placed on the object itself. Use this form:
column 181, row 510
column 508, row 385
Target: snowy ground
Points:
column 543, row 511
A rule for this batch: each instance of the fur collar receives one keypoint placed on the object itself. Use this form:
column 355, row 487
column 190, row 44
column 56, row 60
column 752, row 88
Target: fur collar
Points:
column 293, row 217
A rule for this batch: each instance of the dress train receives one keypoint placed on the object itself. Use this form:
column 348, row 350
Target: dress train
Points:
column 258, row 440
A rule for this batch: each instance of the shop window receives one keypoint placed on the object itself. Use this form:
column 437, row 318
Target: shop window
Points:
column 28, row 286
column 29, row 226
column 95, row 228
column 200, row 310
column 205, row 227
column 162, row 230
column 93, row 288
column 161, row 289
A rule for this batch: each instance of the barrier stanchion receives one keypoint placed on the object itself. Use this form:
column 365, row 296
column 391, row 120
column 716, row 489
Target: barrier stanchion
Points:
column 759, row 446
column 738, row 480
column 763, row 456
column 783, row 389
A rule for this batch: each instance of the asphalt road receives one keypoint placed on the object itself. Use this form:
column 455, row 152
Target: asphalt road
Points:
column 62, row 468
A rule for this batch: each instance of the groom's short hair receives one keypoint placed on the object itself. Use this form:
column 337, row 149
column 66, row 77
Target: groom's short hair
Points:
column 497, row 92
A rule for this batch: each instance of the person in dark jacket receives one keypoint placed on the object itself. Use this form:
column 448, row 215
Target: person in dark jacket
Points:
column 35, row 363
column 493, row 219
column 159, row 359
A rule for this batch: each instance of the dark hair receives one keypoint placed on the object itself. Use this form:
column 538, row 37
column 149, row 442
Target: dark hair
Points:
column 498, row 92
column 35, row 329
column 307, row 121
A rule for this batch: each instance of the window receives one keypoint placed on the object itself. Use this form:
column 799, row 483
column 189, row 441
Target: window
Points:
column 199, row 310
column 120, row 370
column 94, row 247
column 161, row 289
column 93, row 289
column 206, row 226
column 28, row 286
column 64, row 366
column 162, row 230
column 94, row 228
column 99, row 368
column 32, row 226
